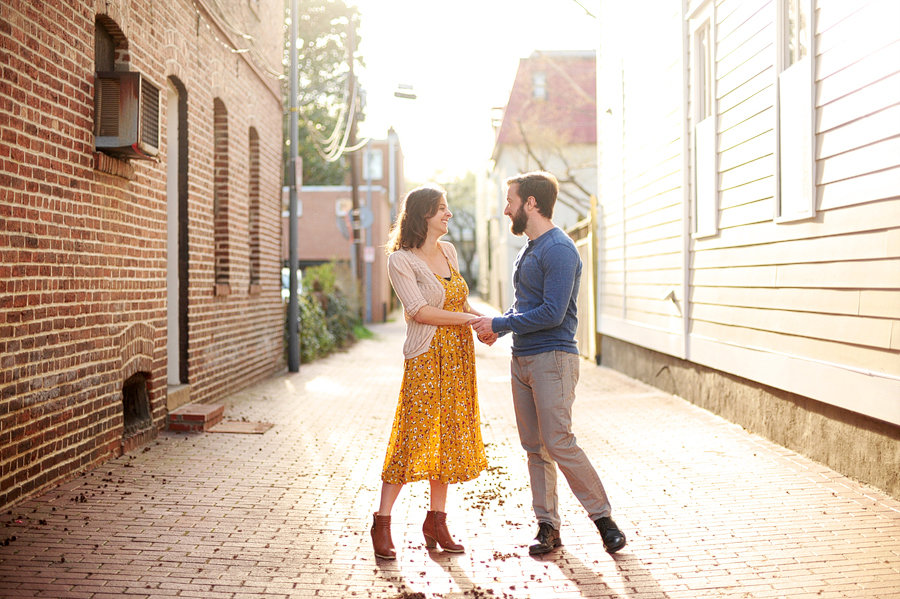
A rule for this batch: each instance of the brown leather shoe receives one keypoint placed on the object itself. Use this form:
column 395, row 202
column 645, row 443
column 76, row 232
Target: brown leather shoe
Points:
column 435, row 531
column 381, row 537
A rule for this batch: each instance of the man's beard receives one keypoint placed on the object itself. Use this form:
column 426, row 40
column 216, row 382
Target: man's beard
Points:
column 519, row 221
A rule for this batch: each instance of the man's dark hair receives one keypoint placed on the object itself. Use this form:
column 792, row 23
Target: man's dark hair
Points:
column 542, row 186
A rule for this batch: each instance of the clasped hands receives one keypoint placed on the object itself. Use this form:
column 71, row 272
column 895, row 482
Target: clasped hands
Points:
column 483, row 329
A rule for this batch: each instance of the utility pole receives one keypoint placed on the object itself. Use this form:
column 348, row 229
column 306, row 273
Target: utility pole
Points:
column 356, row 228
column 293, row 232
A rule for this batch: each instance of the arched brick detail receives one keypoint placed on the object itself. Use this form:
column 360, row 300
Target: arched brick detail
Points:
column 114, row 17
column 175, row 53
column 221, row 195
column 111, row 19
column 136, row 349
column 216, row 78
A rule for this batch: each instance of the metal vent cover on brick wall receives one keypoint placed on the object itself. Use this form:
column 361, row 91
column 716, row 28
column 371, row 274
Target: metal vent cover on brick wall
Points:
column 126, row 117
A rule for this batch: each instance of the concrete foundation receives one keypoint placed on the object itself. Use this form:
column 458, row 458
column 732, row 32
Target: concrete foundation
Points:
column 857, row 446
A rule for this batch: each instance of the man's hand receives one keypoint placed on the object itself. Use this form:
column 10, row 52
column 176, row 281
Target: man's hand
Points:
column 482, row 325
column 488, row 338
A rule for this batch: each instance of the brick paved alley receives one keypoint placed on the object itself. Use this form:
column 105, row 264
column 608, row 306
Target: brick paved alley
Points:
column 709, row 510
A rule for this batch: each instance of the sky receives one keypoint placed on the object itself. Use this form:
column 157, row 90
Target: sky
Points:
column 461, row 58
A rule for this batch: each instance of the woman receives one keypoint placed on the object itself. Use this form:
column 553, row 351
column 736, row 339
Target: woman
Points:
column 436, row 434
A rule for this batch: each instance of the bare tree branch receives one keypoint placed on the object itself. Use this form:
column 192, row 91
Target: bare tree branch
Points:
column 577, row 204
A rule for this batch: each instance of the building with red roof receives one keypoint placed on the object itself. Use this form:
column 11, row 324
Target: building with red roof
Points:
column 549, row 123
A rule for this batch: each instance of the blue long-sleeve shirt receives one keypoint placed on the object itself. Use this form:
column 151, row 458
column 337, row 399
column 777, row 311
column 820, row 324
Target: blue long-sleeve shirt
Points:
column 546, row 276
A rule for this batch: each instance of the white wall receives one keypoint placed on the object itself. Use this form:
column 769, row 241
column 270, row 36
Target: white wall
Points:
column 810, row 305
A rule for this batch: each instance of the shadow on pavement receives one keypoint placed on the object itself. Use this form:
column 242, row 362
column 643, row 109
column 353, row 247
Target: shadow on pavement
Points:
column 390, row 572
column 638, row 582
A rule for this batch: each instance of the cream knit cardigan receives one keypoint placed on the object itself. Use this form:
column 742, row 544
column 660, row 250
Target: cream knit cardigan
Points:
column 417, row 286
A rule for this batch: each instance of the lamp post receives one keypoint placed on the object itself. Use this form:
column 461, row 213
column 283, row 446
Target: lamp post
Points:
column 293, row 233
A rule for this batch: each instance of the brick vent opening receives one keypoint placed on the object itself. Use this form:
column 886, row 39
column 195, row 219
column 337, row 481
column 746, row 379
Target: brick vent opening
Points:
column 136, row 404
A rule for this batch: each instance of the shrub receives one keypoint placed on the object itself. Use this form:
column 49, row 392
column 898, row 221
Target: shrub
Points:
column 315, row 339
column 328, row 319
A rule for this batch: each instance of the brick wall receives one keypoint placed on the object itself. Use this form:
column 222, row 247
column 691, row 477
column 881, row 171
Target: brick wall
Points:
column 83, row 254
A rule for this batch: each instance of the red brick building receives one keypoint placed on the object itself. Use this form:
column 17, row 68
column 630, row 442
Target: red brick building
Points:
column 140, row 176
column 324, row 218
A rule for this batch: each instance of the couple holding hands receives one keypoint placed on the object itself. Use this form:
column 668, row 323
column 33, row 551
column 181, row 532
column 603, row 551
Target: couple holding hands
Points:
column 436, row 434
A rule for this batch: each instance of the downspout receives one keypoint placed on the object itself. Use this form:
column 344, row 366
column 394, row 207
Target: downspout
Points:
column 685, row 187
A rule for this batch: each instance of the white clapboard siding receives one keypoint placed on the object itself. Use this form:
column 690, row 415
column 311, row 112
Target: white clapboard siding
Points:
column 747, row 172
column 659, row 321
column 860, row 133
column 614, row 278
column 745, row 214
column 741, row 276
column 761, row 62
column 612, row 302
column 764, row 80
column 653, row 290
column 824, row 291
column 859, row 104
column 746, row 151
column 761, row 189
column 879, row 22
column 654, row 305
column 612, row 219
column 884, row 303
column 655, row 247
column 859, row 190
column 612, row 255
column 873, row 274
column 856, row 246
column 753, row 103
column 841, row 221
column 756, row 124
column 856, row 330
column 831, row 13
column 842, row 354
column 649, row 220
column 734, row 14
column 664, row 278
column 867, row 71
column 655, row 262
column 663, row 231
column 740, row 51
column 654, row 184
column 869, row 159
column 830, row 301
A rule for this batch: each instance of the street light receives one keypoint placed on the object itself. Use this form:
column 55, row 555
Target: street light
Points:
column 405, row 90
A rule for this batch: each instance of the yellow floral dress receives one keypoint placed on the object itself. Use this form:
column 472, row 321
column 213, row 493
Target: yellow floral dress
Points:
column 437, row 432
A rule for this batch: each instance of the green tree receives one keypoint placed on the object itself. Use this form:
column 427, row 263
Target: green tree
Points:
column 323, row 48
column 461, row 198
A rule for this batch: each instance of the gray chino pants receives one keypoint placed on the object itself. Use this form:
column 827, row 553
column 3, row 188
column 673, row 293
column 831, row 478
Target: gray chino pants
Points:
column 543, row 391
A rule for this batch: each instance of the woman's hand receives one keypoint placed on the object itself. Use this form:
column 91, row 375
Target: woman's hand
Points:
column 488, row 338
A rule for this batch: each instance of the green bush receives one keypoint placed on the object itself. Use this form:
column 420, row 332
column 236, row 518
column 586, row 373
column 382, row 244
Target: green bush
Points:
column 315, row 339
column 328, row 321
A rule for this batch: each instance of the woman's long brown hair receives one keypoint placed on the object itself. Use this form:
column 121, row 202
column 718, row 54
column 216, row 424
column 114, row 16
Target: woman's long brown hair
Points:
column 411, row 227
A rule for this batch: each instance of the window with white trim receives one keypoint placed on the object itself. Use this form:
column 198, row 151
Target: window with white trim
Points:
column 795, row 187
column 704, row 155
column 539, row 85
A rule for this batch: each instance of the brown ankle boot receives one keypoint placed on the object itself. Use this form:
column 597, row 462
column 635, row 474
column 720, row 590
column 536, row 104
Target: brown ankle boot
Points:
column 381, row 537
column 435, row 531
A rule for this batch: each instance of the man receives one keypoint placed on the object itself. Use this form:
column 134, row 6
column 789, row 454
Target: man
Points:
column 545, row 361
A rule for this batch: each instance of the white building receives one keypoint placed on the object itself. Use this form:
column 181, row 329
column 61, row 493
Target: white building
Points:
column 749, row 238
